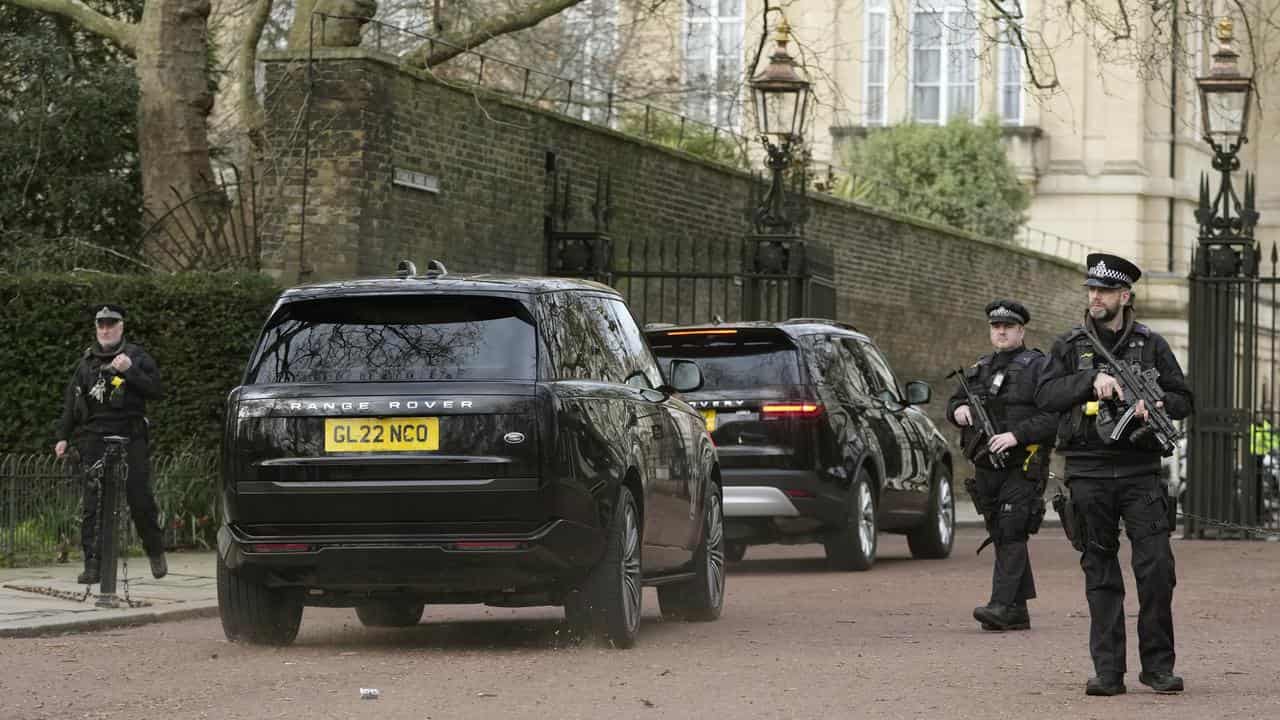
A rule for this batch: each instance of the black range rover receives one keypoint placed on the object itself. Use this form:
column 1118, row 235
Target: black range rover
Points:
column 446, row 439
column 817, row 439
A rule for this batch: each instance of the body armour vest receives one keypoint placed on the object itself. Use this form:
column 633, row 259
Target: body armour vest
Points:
column 1078, row 428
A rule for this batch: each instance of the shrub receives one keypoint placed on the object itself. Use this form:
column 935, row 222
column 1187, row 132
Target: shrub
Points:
column 200, row 328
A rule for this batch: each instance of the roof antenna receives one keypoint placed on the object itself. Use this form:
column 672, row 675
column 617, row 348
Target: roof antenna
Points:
column 406, row 269
column 435, row 268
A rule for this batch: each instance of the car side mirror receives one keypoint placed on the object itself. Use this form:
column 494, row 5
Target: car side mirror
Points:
column 685, row 376
column 918, row 392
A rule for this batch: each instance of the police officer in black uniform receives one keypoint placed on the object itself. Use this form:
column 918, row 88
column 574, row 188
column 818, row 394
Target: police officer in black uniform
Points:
column 1010, row 497
column 108, row 395
column 1121, row 480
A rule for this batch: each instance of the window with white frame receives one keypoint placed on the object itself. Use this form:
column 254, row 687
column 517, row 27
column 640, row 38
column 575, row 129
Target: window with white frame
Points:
column 1010, row 78
column 944, row 60
column 875, row 63
column 590, row 44
column 713, row 60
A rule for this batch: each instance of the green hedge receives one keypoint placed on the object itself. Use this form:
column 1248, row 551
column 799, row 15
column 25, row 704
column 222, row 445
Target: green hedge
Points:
column 199, row 327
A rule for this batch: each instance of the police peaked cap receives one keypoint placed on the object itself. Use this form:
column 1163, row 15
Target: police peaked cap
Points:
column 108, row 311
column 1110, row 271
column 1007, row 311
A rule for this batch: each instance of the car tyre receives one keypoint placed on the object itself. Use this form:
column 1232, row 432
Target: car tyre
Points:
column 701, row 598
column 254, row 613
column 390, row 613
column 934, row 539
column 853, row 547
column 608, row 605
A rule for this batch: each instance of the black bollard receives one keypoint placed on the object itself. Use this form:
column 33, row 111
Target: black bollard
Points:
column 108, row 505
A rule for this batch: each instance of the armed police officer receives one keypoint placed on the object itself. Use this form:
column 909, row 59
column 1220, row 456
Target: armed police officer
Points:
column 108, row 395
column 1011, row 466
column 1113, row 472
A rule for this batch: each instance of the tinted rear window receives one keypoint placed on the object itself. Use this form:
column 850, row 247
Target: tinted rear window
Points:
column 390, row 338
column 732, row 361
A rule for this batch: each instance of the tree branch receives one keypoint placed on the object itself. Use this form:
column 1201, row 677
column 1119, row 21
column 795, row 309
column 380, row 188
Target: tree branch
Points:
column 251, row 113
column 434, row 53
column 122, row 33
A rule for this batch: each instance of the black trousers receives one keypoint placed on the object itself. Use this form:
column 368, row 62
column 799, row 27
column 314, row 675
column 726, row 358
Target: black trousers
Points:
column 142, row 501
column 1141, row 502
column 1012, row 496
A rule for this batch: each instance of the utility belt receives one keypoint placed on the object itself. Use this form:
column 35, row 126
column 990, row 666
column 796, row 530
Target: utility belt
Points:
column 1033, row 468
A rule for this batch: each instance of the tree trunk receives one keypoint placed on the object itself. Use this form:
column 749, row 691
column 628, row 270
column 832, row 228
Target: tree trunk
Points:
column 177, row 177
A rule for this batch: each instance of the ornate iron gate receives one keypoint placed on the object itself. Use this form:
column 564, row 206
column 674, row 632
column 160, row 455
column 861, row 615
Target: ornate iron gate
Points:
column 1234, row 453
column 677, row 279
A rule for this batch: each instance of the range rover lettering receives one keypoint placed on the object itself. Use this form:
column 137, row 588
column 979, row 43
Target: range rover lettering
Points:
column 434, row 438
column 818, row 442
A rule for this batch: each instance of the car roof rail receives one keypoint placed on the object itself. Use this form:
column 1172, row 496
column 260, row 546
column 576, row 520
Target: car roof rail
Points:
column 658, row 326
column 406, row 269
column 819, row 321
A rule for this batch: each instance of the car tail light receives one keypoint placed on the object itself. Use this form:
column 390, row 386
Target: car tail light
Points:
column 678, row 333
column 802, row 409
column 798, row 493
column 488, row 545
column 280, row 547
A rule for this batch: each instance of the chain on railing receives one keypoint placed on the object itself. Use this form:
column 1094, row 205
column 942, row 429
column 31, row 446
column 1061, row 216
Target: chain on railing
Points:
column 549, row 91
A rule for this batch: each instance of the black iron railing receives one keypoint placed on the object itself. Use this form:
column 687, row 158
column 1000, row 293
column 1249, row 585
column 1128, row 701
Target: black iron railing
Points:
column 40, row 500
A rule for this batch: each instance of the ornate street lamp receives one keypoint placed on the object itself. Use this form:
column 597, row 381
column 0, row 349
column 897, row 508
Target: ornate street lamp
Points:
column 780, row 94
column 1226, row 221
column 1226, row 97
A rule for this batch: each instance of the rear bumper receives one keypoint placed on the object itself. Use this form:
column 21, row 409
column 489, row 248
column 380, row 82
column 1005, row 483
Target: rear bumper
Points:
column 767, row 505
column 757, row 501
column 439, row 567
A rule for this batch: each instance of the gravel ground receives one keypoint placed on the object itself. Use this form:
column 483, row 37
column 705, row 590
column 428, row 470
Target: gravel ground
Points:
column 796, row 641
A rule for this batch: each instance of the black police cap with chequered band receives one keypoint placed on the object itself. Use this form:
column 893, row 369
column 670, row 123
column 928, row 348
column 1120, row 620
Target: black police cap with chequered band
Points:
column 1110, row 271
column 1007, row 311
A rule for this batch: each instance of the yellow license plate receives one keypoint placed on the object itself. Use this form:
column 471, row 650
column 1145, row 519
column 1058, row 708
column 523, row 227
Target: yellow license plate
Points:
column 394, row 434
column 709, row 416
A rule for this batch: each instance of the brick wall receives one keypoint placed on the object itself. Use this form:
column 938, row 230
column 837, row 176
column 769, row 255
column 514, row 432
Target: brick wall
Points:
column 918, row 289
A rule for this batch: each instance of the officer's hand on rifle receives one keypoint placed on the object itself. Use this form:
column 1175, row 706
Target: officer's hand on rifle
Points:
column 60, row 449
column 1105, row 387
column 964, row 418
column 1142, row 412
column 1002, row 442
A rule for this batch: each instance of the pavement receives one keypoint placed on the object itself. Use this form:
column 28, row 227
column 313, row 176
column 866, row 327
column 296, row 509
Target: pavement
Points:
column 190, row 590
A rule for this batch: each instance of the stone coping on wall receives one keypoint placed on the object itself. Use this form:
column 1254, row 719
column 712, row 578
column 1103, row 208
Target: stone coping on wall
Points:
column 391, row 61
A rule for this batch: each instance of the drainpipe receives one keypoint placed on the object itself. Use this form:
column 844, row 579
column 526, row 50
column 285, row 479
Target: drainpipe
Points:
column 1173, row 131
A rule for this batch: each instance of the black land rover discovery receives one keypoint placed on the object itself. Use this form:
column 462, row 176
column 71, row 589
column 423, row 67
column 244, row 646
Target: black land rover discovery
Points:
column 443, row 439
column 817, row 439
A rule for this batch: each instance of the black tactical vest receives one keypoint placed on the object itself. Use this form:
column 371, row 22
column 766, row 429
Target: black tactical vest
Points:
column 1008, row 393
column 1076, row 430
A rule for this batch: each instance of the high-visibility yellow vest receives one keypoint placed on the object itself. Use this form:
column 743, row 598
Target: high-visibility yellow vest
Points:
column 1263, row 439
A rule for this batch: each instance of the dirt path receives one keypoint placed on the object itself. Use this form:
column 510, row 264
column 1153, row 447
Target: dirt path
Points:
column 796, row 641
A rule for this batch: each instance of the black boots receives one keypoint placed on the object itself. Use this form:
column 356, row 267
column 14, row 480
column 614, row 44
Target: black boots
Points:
column 1105, row 685
column 91, row 572
column 1161, row 682
column 998, row 618
column 159, row 567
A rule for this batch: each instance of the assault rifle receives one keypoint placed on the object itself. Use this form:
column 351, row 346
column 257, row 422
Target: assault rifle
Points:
column 1137, row 384
column 983, row 428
